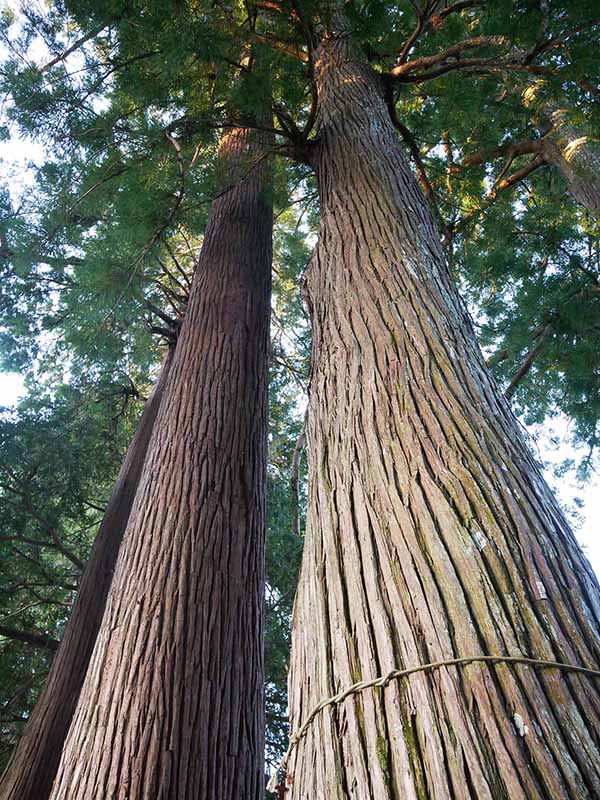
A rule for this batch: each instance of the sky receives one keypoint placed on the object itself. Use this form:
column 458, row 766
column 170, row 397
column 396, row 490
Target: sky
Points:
column 567, row 490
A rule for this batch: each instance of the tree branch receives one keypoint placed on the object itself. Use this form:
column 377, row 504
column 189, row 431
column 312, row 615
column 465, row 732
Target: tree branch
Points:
column 45, row 525
column 421, row 172
column 75, row 46
column 290, row 48
column 452, row 52
column 517, row 176
column 501, row 185
column 409, row 43
column 170, row 321
column 49, row 529
column 36, row 639
column 528, row 361
column 512, row 149
column 23, row 608
column 456, row 8
column 180, row 269
column 491, row 66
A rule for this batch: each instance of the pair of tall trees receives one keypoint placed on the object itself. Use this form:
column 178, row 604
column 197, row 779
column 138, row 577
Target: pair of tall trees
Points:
column 190, row 504
column 430, row 533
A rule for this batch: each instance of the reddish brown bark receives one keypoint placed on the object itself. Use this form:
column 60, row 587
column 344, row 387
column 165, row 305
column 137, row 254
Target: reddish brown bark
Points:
column 172, row 703
column 33, row 766
column 431, row 534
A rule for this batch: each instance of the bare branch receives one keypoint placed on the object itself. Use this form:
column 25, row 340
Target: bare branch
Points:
column 452, row 52
column 36, row 639
column 75, row 46
column 501, row 185
column 512, row 149
column 528, row 361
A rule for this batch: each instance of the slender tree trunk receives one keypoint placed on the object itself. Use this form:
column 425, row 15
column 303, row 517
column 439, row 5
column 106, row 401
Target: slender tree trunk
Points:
column 431, row 533
column 33, row 766
column 172, row 705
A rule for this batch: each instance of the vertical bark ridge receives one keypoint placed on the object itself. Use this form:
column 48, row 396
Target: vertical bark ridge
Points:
column 172, row 705
column 32, row 769
column 430, row 533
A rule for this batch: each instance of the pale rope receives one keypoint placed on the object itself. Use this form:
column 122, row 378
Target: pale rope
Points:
column 383, row 681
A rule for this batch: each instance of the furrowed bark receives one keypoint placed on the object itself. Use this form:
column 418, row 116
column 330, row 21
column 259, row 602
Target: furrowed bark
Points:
column 431, row 534
column 172, row 705
column 33, row 766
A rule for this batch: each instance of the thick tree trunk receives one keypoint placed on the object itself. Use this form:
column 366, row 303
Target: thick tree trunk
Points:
column 33, row 766
column 172, row 706
column 431, row 533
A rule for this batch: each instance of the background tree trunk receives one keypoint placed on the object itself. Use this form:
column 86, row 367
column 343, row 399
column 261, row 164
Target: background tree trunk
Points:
column 172, row 704
column 431, row 533
column 578, row 160
column 33, row 766
column 575, row 154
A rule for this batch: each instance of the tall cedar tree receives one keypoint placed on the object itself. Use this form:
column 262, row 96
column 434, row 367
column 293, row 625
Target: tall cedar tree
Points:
column 175, row 683
column 431, row 534
column 32, row 768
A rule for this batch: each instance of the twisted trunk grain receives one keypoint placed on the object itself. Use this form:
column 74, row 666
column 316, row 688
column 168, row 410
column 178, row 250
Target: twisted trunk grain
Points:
column 32, row 769
column 431, row 533
column 172, row 705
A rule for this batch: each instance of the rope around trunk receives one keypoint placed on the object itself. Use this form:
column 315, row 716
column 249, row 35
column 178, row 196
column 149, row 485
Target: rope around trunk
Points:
column 276, row 786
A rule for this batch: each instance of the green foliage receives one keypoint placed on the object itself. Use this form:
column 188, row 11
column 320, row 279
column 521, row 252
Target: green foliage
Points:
column 531, row 272
column 290, row 344
column 59, row 455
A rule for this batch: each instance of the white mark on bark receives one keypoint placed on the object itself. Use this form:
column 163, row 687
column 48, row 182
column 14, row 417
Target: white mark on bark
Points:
column 541, row 590
column 480, row 539
column 522, row 729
